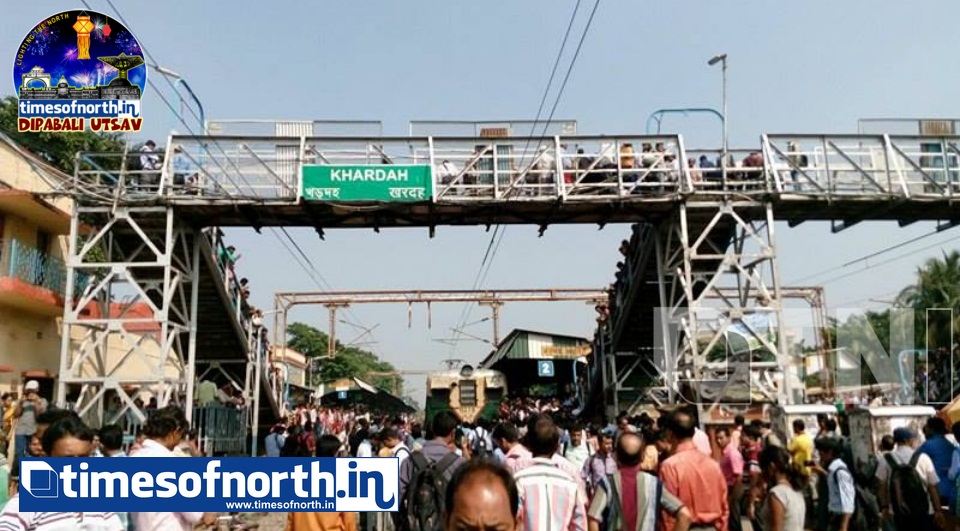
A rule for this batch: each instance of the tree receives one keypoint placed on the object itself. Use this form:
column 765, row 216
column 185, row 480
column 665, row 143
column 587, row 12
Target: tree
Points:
column 865, row 337
column 937, row 287
column 348, row 362
column 60, row 149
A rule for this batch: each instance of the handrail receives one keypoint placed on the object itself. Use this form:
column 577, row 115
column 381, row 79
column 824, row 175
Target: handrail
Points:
column 579, row 168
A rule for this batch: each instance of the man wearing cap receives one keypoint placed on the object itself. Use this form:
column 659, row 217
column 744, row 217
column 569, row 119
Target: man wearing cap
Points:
column 906, row 441
column 28, row 408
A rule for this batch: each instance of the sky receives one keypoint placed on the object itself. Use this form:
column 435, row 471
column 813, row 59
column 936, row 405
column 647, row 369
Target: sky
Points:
column 803, row 67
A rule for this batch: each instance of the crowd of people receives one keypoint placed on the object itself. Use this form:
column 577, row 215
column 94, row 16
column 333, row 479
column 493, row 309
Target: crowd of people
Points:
column 538, row 468
column 542, row 470
column 62, row 433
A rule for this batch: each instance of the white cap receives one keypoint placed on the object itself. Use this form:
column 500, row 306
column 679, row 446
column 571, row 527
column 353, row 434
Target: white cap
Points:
column 32, row 385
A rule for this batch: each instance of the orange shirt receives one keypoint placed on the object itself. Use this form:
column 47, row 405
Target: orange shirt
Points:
column 322, row 522
column 697, row 480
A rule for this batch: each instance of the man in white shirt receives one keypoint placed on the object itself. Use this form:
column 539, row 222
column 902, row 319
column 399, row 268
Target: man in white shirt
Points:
column 906, row 441
column 164, row 431
column 577, row 452
column 391, row 439
column 365, row 449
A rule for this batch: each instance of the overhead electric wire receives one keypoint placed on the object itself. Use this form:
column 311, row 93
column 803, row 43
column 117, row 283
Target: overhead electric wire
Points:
column 309, row 263
column 888, row 261
column 870, row 255
column 498, row 232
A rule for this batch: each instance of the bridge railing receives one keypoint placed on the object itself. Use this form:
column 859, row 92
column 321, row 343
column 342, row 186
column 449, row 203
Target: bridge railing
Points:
column 569, row 168
column 743, row 172
column 864, row 165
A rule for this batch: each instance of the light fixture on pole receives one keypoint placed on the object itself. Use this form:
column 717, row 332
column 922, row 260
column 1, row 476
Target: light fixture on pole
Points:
column 180, row 81
column 722, row 58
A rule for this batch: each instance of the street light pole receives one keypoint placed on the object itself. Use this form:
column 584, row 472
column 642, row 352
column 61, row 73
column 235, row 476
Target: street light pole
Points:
column 182, row 82
column 722, row 58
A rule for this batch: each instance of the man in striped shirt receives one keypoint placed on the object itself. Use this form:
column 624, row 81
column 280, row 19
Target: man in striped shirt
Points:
column 551, row 500
column 68, row 437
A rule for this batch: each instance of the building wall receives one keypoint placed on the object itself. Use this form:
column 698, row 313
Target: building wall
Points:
column 25, row 174
column 27, row 342
column 137, row 365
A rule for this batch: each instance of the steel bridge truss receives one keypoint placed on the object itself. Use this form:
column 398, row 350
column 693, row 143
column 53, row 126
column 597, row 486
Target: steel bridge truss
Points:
column 717, row 282
column 138, row 310
column 709, row 218
column 134, row 330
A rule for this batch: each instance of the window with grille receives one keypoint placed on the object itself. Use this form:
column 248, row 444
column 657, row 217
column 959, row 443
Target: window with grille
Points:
column 468, row 392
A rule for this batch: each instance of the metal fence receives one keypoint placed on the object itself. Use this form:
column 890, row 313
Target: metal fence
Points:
column 221, row 430
column 36, row 267
column 569, row 168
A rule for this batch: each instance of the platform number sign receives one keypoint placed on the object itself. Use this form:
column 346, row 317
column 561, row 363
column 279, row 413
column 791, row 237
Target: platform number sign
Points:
column 545, row 369
column 341, row 395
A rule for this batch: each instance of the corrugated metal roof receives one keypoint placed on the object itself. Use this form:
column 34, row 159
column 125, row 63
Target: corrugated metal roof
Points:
column 527, row 344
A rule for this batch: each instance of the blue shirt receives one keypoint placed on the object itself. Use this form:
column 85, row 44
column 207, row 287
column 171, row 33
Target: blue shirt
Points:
column 273, row 444
column 940, row 451
column 840, row 488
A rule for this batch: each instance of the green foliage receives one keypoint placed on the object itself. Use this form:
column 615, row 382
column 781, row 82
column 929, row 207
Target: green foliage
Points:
column 866, row 337
column 347, row 363
column 59, row 149
column 937, row 287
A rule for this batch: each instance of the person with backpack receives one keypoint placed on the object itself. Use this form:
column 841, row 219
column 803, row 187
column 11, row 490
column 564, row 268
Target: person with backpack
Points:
column 841, row 491
column 480, row 442
column 630, row 499
column 908, row 485
column 425, row 474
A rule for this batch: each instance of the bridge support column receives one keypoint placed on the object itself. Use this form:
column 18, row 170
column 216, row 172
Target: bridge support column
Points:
column 720, row 336
column 129, row 328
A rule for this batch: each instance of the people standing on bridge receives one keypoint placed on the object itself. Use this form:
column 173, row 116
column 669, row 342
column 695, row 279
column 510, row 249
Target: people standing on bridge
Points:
column 150, row 167
column 551, row 499
column 693, row 477
column 164, row 430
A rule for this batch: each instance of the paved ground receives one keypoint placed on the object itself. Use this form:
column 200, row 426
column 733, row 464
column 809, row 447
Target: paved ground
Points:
column 268, row 521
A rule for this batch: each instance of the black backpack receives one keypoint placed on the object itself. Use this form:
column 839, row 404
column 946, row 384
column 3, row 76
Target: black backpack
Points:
column 480, row 443
column 422, row 506
column 908, row 492
column 866, row 511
